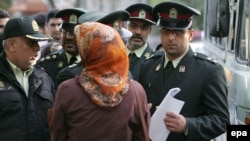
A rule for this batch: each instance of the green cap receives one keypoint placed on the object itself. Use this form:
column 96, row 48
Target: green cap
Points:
column 23, row 26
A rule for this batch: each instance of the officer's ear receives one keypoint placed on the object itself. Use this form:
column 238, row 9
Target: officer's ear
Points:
column 10, row 44
column 218, row 15
column 191, row 34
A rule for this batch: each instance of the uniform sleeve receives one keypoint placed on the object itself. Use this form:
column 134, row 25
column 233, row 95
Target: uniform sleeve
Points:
column 216, row 118
column 58, row 127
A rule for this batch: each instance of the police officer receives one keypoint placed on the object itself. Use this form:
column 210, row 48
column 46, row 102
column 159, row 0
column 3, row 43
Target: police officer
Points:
column 140, row 24
column 54, row 62
column 52, row 25
column 113, row 19
column 4, row 17
column 201, row 79
column 26, row 91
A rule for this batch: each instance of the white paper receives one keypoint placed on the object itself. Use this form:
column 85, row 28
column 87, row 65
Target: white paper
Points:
column 158, row 130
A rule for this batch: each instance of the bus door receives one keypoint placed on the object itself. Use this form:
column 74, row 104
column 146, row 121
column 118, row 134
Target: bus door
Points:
column 227, row 29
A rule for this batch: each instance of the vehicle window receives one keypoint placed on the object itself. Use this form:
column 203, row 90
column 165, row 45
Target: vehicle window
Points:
column 243, row 43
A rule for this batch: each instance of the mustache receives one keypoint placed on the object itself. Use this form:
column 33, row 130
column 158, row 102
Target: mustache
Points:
column 137, row 36
column 70, row 41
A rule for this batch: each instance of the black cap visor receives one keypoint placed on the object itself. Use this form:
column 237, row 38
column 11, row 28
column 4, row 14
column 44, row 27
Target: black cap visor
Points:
column 175, row 24
column 68, row 26
column 37, row 37
column 143, row 19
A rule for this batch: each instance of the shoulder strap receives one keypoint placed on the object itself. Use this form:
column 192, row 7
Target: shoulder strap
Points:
column 144, row 126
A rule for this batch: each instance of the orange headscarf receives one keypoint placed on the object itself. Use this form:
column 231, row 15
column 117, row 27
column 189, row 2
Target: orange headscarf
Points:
column 105, row 63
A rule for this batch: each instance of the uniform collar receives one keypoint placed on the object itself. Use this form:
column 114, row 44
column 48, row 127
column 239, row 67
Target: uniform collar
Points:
column 174, row 62
column 78, row 57
column 18, row 70
column 138, row 52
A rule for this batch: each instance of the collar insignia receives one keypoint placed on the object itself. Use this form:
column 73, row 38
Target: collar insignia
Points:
column 158, row 67
column 1, row 84
column 182, row 69
column 60, row 64
column 147, row 55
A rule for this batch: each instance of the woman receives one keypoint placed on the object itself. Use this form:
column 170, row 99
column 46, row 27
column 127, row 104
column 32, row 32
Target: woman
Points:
column 99, row 104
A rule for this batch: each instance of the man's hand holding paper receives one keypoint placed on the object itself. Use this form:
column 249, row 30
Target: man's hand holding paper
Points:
column 158, row 130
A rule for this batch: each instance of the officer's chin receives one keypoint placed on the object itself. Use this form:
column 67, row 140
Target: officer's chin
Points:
column 136, row 45
column 72, row 51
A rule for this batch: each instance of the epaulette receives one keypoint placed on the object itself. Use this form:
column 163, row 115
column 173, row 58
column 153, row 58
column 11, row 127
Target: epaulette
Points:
column 155, row 54
column 204, row 57
column 49, row 57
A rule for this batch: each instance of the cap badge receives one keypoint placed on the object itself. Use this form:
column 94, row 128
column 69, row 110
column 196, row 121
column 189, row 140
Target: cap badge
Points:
column 73, row 19
column 35, row 25
column 116, row 25
column 142, row 14
column 173, row 13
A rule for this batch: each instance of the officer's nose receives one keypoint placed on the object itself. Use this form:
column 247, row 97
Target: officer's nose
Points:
column 70, row 35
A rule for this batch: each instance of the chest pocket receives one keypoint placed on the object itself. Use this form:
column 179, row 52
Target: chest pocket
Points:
column 10, row 99
column 45, row 98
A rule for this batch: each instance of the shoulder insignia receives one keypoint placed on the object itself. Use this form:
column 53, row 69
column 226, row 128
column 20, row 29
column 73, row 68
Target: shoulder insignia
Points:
column 42, row 59
column 204, row 57
column 49, row 57
column 54, row 56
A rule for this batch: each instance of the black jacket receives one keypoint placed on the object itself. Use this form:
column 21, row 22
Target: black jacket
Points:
column 135, row 70
column 24, row 118
column 53, row 63
column 203, row 89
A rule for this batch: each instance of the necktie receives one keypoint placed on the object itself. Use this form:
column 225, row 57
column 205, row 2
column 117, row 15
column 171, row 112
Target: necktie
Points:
column 168, row 69
column 132, row 60
column 72, row 60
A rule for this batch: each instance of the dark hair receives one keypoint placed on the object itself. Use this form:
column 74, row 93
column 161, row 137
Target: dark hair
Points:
column 40, row 19
column 4, row 14
column 51, row 14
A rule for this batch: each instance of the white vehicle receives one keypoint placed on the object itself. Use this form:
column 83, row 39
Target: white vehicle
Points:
column 226, row 39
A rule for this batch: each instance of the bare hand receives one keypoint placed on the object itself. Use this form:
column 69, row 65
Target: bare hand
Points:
column 149, row 105
column 175, row 122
